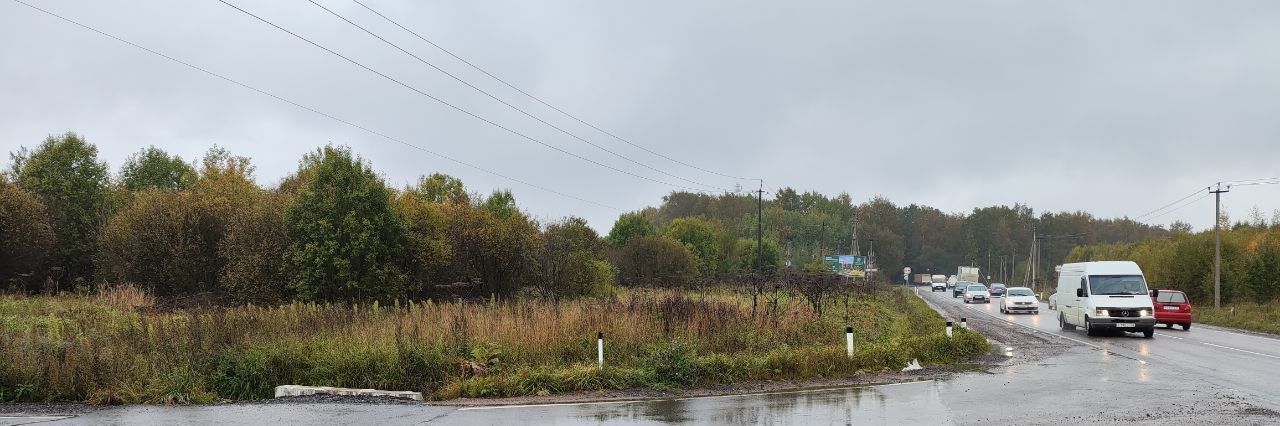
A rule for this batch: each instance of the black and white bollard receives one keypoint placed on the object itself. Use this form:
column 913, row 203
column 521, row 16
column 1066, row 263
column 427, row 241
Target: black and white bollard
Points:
column 600, row 348
column 848, row 341
column 964, row 323
column 948, row 328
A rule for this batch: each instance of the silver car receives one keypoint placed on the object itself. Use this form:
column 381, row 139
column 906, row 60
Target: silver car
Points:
column 977, row 293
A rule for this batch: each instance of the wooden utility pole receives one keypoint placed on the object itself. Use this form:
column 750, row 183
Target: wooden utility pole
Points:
column 1217, row 244
column 759, row 226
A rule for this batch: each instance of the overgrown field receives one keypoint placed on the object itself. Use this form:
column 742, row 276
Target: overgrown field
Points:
column 113, row 348
column 1248, row 316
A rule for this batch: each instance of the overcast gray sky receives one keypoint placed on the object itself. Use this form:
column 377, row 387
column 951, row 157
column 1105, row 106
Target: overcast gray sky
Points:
column 1116, row 108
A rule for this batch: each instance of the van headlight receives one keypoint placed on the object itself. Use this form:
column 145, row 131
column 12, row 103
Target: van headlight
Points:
column 1103, row 313
column 1144, row 312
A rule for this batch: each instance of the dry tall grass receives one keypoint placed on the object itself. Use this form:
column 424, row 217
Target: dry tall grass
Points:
column 108, row 348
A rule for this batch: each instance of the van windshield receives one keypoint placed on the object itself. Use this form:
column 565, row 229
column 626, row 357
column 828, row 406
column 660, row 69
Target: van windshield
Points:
column 1117, row 284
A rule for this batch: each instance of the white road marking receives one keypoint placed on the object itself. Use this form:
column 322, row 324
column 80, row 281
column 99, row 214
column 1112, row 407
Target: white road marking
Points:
column 26, row 420
column 1241, row 350
column 634, row 401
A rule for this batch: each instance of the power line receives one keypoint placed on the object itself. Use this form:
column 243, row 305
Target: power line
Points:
column 1256, row 183
column 1170, row 204
column 508, row 104
column 539, row 100
column 1201, row 197
column 307, row 108
column 446, row 103
column 1233, row 182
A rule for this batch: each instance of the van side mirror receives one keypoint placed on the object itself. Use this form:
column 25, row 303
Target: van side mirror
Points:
column 1079, row 292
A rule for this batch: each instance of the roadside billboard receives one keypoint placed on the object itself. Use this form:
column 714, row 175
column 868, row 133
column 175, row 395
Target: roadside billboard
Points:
column 847, row 265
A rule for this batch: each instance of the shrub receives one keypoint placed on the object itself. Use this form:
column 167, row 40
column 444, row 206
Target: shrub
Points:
column 346, row 243
column 27, row 235
column 655, row 261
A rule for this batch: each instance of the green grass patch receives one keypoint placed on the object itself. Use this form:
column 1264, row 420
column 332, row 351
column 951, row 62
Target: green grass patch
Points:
column 78, row 348
column 1249, row 316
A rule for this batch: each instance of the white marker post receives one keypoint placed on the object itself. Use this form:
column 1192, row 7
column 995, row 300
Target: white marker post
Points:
column 964, row 323
column 600, row 348
column 848, row 341
column 948, row 328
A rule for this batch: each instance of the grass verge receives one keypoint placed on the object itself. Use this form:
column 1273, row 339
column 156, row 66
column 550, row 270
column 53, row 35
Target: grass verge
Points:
column 111, row 348
column 1249, row 316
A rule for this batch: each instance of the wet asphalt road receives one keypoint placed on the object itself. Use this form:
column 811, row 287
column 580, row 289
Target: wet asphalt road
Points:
column 1203, row 376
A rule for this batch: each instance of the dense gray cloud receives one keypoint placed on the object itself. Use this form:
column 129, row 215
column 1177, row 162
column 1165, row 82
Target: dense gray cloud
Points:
column 1111, row 107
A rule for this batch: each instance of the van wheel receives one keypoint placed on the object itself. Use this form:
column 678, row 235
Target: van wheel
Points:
column 1088, row 329
column 1149, row 333
column 1062, row 322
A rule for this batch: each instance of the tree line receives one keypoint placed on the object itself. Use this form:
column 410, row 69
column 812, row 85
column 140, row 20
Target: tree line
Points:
column 803, row 227
column 334, row 230
column 1184, row 261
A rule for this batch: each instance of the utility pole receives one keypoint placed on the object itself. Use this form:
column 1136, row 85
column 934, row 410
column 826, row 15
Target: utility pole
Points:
column 871, row 255
column 822, row 240
column 759, row 227
column 1031, row 259
column 1217, row 244
column 857, row 251
column 988, row 265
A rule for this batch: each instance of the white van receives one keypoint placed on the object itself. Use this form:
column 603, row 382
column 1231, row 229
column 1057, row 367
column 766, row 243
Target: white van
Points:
column 1101, row 296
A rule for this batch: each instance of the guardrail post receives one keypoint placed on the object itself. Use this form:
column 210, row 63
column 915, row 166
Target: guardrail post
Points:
column 948, row 328
column 964, row 323
column 600, row 348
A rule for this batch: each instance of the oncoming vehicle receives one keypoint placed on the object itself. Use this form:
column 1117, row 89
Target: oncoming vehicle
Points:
column 939, row 286
column 958, row 288
column 1172, row 307
column 1053, row 301
column 1104, row 296
column 1019, row 299
column 997, row 290
column 975, row 293
column 939, row 283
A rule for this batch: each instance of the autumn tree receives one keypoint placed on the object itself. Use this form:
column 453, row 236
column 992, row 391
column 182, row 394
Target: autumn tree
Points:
column 702, row 237
column 64, row 172
column 152, row 168
column 628, row 226
column 571, row 260
column 27, row 235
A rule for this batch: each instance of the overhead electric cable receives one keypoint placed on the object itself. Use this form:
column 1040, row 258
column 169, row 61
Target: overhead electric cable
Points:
column 1135, row 218
column 446, row 103
column 308, row 108
column 539, row 100
column 500, row 100
column 1180, row 207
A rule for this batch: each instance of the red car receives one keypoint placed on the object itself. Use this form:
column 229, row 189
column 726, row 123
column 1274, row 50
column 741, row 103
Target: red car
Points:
column 1172, row 307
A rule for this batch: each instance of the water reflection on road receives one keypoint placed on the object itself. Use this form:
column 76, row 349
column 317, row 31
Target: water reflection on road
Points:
column 910, row 403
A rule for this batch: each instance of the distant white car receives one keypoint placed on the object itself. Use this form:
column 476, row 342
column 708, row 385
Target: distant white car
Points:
column 1053, row 301
column 975, row 293
column 1019, row 299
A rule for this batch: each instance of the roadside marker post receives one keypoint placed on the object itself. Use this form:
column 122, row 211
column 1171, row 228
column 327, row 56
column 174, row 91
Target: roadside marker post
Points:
column 848, row 341
column 964, row 323
column 600, row 348
column 948, row 328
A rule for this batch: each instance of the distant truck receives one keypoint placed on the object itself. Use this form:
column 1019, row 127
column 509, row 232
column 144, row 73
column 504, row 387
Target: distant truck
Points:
column 938, row 278
column 968, row 274
column 922, row 279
